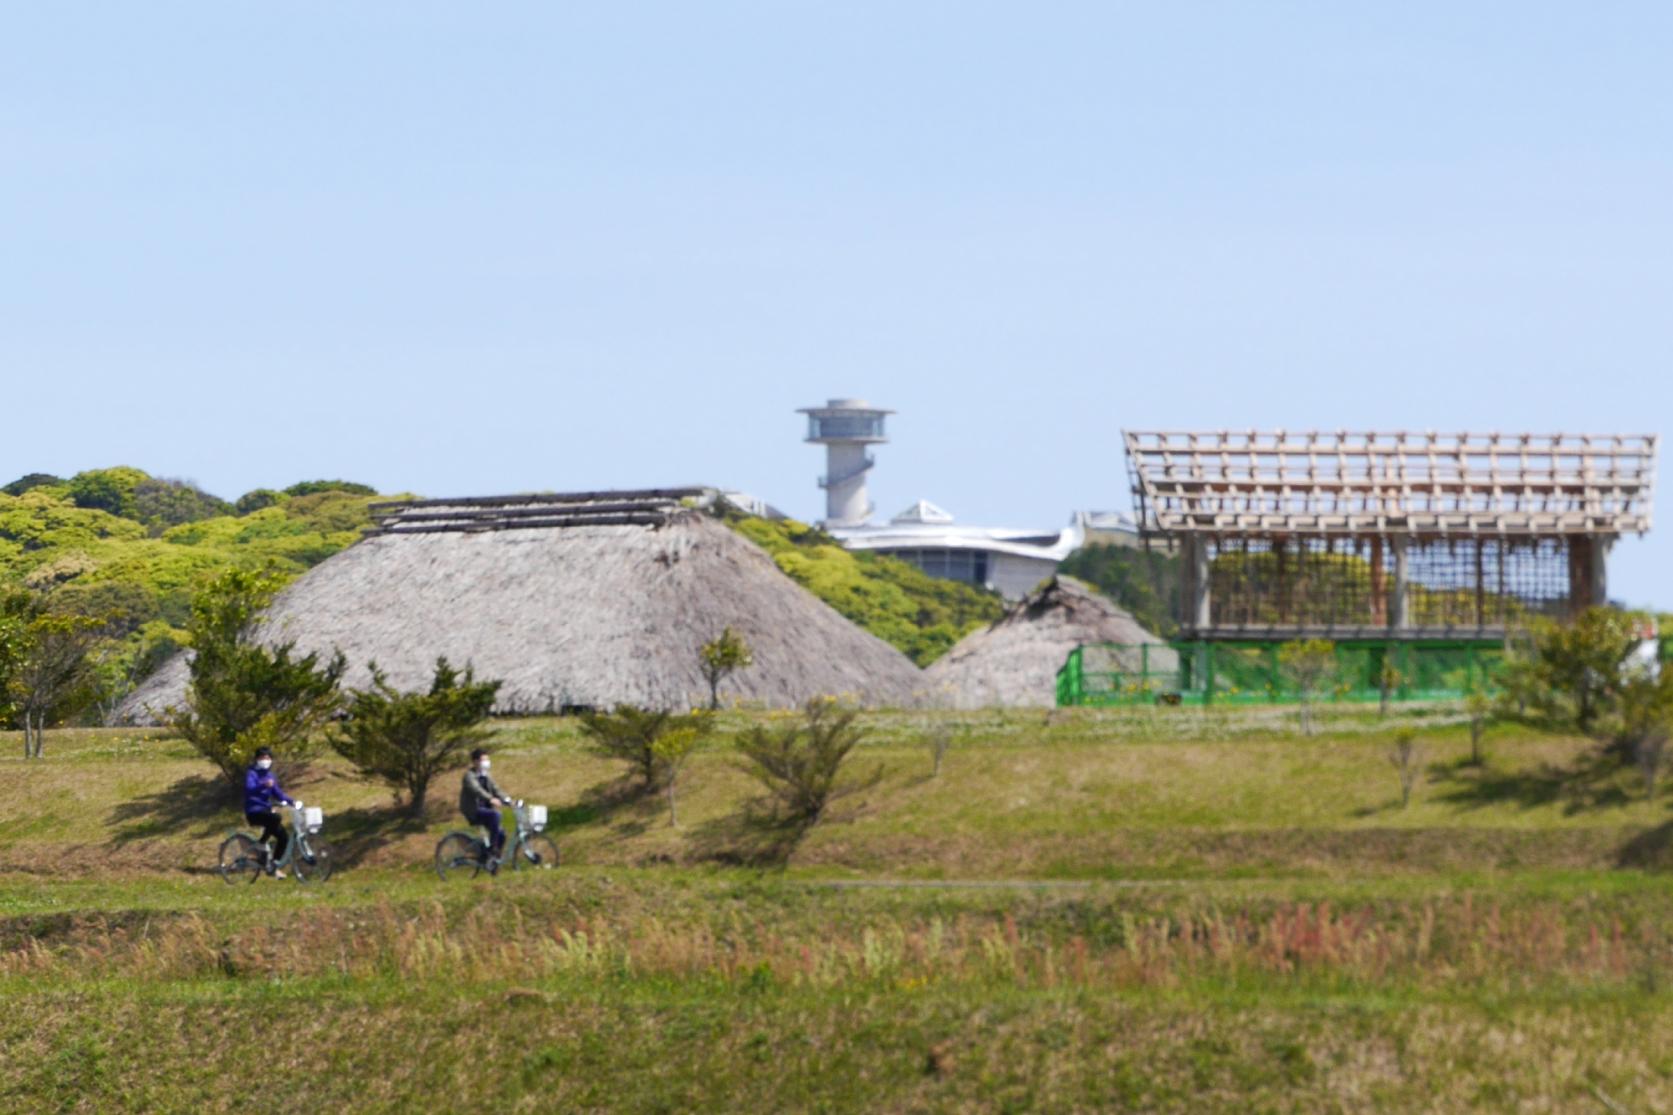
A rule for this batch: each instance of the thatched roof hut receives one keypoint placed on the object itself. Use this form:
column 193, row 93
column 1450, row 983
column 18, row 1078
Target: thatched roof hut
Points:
column 582, row 600
column 1014, row 661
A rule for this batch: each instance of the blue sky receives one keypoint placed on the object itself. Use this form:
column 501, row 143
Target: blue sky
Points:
column 472, row 248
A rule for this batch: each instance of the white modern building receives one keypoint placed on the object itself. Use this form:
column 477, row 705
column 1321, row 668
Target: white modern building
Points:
column 1009, row 562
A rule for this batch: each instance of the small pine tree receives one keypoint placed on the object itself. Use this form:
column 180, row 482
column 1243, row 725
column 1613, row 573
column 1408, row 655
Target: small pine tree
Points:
column 407, row 739
column 243, row 695
column 800, row 765
column 720, row 658
column 672, row 749
column 630, row 734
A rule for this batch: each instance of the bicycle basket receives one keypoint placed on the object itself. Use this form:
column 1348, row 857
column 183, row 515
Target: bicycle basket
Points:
column 537, row 817
column 313, row 818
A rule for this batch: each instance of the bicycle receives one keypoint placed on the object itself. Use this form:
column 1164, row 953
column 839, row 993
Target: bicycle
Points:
column 245, row 857
column 458, row 852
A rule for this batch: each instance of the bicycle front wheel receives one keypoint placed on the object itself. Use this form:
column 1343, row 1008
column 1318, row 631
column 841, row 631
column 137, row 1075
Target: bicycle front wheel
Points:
column 538, row 853
column 314, row 860
column 240, row 859
column 458, row 854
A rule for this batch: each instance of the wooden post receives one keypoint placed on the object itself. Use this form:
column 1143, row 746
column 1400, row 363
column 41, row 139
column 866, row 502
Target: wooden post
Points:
column 1480, row 585
column 1588, row 581
column 1400, row 618
column 1198, row 603
column 1379, row 585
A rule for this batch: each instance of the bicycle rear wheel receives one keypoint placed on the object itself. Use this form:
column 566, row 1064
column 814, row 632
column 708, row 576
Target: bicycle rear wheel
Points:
column 538, row 853
column 314, row 860
column 240, row 859
column 459, row 854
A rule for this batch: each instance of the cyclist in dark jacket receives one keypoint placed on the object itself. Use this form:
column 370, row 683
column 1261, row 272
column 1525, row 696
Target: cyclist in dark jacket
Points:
column 480, row 800
column 261, row 790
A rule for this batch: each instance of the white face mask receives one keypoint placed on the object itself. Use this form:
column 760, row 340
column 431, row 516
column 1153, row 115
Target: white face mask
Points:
column 263, row 764
column 483, row 766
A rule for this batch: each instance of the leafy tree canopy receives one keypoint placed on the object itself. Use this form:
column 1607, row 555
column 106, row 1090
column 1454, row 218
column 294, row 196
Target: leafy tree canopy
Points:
column 32, row 480
column 1144, row 582
column 132, row 549
column 315, row 487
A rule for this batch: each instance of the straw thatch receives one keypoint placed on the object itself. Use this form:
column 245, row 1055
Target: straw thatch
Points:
column 572, row 615
column 1014, row 661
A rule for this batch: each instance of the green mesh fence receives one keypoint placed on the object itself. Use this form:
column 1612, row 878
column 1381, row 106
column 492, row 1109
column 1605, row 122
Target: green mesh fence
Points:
column 1251, row 672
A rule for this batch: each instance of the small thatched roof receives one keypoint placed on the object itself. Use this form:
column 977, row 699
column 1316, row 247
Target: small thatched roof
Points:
column 1014, row 661
column 582, row 610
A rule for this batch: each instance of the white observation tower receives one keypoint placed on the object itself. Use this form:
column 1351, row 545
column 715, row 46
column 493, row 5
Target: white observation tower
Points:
column 845, row 427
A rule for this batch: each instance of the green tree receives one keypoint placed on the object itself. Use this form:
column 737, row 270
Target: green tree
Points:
column 1479, row 704
column 315, row 487
column 672, row 749
column 720, row 657
column 256, row 499
column 1144, row 582
column 30, row 481
column 1646, row 722
column 407, row 739
column 110, row 490
column 160, row 503
column 1309, row 665
column 55, row 676
column 801, row 765
column 631, row 734
column 14, row 626
column 1571, row 673
column 46, row 663
column 243, row 694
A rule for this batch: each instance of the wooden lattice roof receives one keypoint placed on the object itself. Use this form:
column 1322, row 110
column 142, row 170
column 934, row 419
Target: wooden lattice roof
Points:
column 1423, row 484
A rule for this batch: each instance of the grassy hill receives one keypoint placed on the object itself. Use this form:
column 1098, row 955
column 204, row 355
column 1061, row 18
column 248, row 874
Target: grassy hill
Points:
column 120, row 543
column 1160, row 910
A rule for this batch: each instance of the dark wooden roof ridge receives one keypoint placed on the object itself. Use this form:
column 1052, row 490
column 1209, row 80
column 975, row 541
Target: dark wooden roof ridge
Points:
column 546, row 498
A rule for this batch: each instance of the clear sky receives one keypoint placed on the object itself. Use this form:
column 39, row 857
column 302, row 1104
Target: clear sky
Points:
column 469, row 248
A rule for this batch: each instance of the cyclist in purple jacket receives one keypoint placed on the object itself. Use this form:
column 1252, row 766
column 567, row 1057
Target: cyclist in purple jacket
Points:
column 261, row 790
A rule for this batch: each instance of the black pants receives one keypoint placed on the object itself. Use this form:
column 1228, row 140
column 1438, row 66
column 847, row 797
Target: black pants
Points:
column 271, row 829
column 489, row 819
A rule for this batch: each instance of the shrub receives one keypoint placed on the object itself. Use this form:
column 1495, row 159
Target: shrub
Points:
column 1309, row 666
column 1404, row 757
column 800, row 765
column 406, row 739
column 631, row 734
column 1479, row 704
column 940, row 738
column 243, row 695
column 672, row 749
column 721, row 657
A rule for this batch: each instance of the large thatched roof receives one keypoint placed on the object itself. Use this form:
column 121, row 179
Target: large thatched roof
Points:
column 1014, row 661
column 591, row 607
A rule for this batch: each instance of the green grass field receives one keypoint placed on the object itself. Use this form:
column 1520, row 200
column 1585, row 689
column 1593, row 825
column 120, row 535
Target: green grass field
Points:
column 1086, row 911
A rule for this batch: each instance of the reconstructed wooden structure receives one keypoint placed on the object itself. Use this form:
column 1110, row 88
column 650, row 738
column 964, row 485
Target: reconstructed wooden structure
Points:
column 1387, row 535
